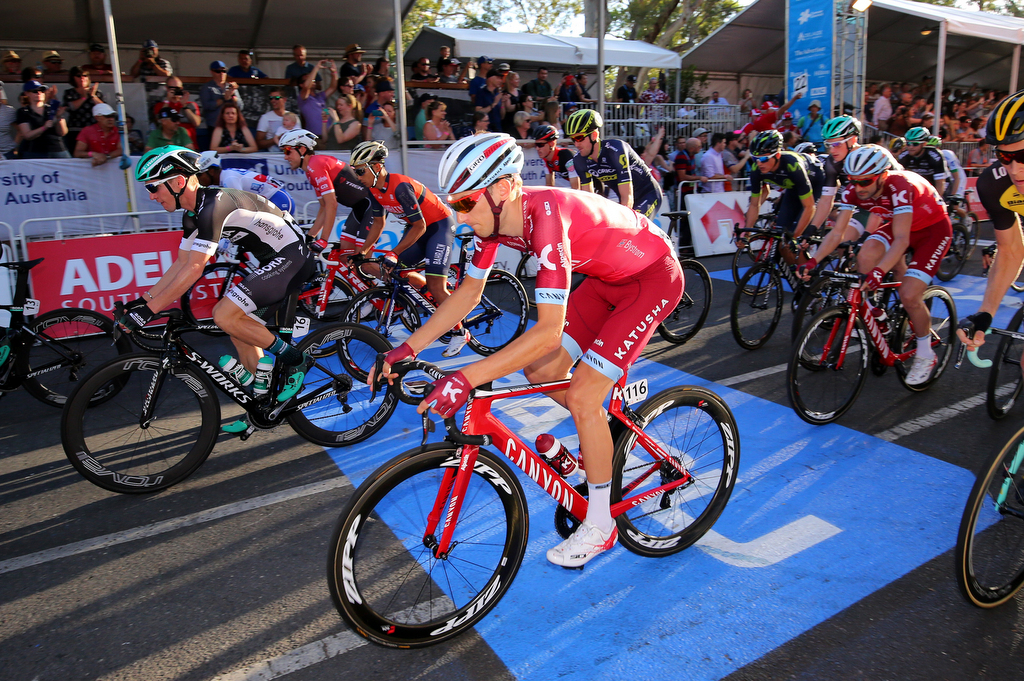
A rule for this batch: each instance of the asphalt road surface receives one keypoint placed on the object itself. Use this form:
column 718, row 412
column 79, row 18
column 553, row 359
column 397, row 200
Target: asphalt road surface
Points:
column 223, row 576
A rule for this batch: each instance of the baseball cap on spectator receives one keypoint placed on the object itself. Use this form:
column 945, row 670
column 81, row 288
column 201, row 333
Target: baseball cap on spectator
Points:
column 96, row 47
column 483, row 60
column 218, row 66
column 102, row 109
column 504, row 67
column 52, row 55
column 150, row 43
column 814, row 102
column 32, row 86
column 455, row 61
column 384, row 85
column 425, row 97
column 10, row 55
column 631, row 78
column 353, row 48
column 358, row 87
column 700, row 131
column 494, row 72
column 788, row 114
column 166, row 112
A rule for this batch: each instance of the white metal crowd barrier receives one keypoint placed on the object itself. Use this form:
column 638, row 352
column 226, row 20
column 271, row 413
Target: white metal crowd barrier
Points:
column 10, row 238
column 173, row 223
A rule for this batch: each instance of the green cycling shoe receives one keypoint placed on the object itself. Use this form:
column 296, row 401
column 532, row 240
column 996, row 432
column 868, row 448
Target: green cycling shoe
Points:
column 295, row 378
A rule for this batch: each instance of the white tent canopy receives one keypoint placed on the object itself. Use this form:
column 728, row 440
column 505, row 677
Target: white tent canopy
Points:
column 979, row 45
column 532, row 49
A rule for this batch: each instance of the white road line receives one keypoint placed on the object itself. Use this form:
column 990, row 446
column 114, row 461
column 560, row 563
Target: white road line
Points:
column 743, row 378
column 300, row 658
column 169, row 525
column 919, row 424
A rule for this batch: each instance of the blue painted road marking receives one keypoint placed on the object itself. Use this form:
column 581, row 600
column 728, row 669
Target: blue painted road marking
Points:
column 820, row 518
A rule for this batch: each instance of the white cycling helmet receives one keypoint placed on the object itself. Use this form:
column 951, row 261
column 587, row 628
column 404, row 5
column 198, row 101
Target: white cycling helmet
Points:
column 208, row 159
column 478, row 161
column 869, row 159
column 805, row 148
column 298, row 138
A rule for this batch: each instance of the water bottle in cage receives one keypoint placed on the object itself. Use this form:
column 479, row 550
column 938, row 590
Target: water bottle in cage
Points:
column 556, row 454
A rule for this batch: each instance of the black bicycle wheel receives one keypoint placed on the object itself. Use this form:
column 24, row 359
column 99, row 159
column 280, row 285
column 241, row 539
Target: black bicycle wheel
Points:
column 341, row 411
column 383, row 575
column 199, row 300
column 821, row 390
column 70, row 343
column 501, row 315
column 113, row 446
column 1005, row 380
column 956, row 256
column 689, row 315
column 373, row 308
column 753, row 252
column 822, row 294
column 696, row 428
column 756, row 307
column 990, row 543
column 338, row 298
column 944, row 321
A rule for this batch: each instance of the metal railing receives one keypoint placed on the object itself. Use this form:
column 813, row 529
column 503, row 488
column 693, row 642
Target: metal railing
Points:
column 638, row 123
column 10, row 239
column 59, row 234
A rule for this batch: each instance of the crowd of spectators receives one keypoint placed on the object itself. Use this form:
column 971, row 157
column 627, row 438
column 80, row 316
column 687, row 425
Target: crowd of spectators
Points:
column 897, row 107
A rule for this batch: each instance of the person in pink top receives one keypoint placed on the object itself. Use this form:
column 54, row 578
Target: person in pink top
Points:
column 634, row 281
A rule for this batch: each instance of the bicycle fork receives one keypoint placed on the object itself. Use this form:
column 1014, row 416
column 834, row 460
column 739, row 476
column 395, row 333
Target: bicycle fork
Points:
column 449, row 502
column 1004, row 490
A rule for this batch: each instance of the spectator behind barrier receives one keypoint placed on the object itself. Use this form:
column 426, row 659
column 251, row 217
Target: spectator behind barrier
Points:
column 270, row 121
column 7, row 129
column 481, row 123
column 382, row 68
column 79, row 100
column 627, row 91
column 232, row 134
column 449, row 71
column 421, row 117
column 289, row 121
column 41, row 124
column 313, row 100
column 136, row 142
column 489, row 100
column 53, row 65
column 98, row 65
column 177, row 98
column 479, row 82
column 213, row 95
column 245, row 69
column 10, row 66
column 374, row 111
column 101, row 140
column 421, row 71
column 168, row 131
column 581, row 80
column 437, row 126
column 353, row 66
column 150, row 63
column 539, row 88
column 346, row 126
column 298, row 69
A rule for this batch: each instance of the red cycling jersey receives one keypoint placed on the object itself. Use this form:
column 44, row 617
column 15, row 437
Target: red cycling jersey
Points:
column 904, row 192
column 408, row 200
column 328, row 174
column 571, row 231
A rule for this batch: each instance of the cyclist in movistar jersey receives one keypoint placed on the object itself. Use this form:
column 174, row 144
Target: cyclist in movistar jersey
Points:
column 923, row 160
column 1001, row 191
column 613, row 162
column 212, row 175
column 798, row 176
column 249, row 220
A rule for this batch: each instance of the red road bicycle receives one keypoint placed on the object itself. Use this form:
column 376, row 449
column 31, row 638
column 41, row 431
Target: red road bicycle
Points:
column 831, row 357
column 432, row 540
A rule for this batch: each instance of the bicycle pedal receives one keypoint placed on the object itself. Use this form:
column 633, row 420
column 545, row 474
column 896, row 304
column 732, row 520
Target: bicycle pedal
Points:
column 571, row 567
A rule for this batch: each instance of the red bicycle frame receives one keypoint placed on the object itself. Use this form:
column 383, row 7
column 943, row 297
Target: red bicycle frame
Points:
column 480, row 421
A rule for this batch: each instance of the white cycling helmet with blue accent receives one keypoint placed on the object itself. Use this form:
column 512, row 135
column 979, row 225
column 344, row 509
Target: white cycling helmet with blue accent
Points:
column 869, row 159
column 208, row 159
column 478, row 161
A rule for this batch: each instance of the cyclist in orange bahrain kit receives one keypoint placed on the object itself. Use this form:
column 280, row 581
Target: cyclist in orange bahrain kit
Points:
column 634, row 281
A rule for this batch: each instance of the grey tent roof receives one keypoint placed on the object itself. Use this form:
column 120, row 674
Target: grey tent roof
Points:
column 314, row 23
column 979, row 45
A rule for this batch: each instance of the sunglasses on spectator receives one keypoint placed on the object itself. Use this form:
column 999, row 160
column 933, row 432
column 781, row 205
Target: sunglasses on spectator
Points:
column 863, row 181
column 221, row 70
column 276, row 97
column 1008, row 157
column 466, row 203
column 153, row 187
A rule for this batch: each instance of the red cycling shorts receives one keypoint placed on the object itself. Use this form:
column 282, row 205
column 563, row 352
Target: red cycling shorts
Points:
column 927, row 246
column 609, row 324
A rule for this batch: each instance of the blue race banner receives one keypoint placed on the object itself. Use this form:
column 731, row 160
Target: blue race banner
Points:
column 809, row 35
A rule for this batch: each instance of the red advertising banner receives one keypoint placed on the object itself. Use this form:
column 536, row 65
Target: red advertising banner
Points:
column 96, row 272
column 973, row 202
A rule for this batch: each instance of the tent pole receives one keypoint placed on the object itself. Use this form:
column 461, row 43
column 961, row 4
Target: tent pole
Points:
column 400, row 73
column 1015, row 68
column 115, row 64
column 600, row 54
column 940, row 75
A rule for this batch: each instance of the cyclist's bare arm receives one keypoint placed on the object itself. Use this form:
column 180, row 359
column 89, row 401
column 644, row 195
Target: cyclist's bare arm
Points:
column 753, row 209
column 175, row 282
column 823, row 209
column 940, row 186
column 325, row 217
column 806, row 215
column 371, row 236
column 576, row 184
column 626, row 194
column 551, row 180
column 834, row 237
column 412, row 234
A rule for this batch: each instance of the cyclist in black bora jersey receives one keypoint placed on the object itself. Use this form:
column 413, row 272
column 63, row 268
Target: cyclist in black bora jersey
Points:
column 258, row 227
column 613, row 162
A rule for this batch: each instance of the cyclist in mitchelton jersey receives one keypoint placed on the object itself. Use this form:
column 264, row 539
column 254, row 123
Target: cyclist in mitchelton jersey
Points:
column 211, row 175
column 956, row 184
column 429, row 229
column 334, row 183
column 634, row 281
column 798, row 176
column 915, row 219
column 259, row 227
column 1001, row 191
column 557, row 160
column 923, row 160
column 613, row 162
column 841, row 135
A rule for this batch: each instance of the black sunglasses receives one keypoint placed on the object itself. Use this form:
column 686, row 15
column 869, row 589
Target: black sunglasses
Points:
column 1008, row 157
column 359, row 171
column 864, row 181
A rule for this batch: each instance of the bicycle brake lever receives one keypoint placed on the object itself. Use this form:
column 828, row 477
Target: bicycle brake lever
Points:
column 428, row 427
column 378, row 371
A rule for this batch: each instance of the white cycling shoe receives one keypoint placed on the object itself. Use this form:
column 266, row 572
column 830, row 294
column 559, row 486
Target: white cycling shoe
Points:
column 456, row 344
column 921, row 369
column 585, row 543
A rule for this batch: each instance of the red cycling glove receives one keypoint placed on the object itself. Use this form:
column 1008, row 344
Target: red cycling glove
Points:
column 400, row 353
column 874, row 278
column 807, row 268
column 449, row 394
